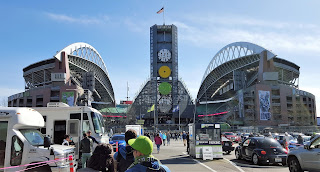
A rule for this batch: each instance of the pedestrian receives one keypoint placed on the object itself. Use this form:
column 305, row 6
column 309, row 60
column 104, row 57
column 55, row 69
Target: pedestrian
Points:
column 158, row 142
column 86, row 149
column 66, row 140
column 101, row 159
column 164, row 138
column 144, row 160
column 184, row 137
column 91, row 137
column 168, row 138
column 124, row 157
column 300, row 139
column 188, row 139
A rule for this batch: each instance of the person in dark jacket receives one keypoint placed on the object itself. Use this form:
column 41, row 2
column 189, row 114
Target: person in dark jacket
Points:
column 86, row 149
column 101, row 159
column 300, row 139
column 144, row 160
column 124, row 157
column 91, row 137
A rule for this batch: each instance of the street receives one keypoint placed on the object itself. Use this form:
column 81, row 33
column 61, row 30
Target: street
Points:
column 175, row 157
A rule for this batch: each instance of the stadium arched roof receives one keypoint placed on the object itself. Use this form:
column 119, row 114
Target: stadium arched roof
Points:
column 233, row 51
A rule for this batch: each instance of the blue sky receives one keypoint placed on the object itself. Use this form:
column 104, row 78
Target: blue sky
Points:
column 34, row 30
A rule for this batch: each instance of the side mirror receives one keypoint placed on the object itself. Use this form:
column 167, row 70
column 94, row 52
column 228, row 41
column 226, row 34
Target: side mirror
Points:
column 240, row 144
column 46, row 142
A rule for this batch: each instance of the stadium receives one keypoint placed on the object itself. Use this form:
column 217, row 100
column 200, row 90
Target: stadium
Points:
column 76, row 75
column 248, row 85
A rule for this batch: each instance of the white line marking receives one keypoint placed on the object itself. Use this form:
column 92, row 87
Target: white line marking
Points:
column 204, row 165
column 234, row 165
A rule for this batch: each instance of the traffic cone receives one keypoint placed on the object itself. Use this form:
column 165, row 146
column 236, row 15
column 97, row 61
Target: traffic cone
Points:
column 71, row 163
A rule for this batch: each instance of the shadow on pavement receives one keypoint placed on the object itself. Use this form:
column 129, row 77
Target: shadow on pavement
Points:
column 244, row 163
column 180, row 159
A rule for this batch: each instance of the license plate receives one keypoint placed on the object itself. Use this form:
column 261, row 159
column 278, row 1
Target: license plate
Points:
column 227, row 144
column 278, row 159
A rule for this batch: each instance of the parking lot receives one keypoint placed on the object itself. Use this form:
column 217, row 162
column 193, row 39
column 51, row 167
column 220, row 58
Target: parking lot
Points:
column 176, row 158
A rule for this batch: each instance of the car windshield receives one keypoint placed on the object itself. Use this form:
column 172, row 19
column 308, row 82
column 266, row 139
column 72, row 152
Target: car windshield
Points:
column 246, row 134
column 228, row 134
column 269, row 143
column 118, row 138
column 33, row 136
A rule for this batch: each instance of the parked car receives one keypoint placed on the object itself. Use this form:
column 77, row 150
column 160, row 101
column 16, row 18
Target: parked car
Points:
column 226, row 145
column 305, row 157
column 261, row 150
column 231, row 136
column 244, row 136
column 117, row 138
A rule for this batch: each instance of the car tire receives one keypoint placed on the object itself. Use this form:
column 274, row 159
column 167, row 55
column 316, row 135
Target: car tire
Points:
column 255, row 159
column 294, row 165
column 238, row 154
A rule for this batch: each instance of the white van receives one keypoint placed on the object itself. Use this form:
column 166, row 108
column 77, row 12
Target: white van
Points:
column 61, row 119
column 22, row 143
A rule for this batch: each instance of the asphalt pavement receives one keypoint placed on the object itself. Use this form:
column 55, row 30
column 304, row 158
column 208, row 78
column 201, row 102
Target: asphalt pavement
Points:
column 175, row 157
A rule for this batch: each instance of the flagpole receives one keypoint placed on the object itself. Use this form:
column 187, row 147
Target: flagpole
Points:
column 163, row 16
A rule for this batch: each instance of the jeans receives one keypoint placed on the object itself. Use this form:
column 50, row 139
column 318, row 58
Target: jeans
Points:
column 84, row 159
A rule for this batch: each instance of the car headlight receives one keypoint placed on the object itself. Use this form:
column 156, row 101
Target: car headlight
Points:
column 61, row 160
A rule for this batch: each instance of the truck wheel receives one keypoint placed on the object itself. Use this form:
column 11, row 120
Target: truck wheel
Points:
column 294, row 165
column 45, row 168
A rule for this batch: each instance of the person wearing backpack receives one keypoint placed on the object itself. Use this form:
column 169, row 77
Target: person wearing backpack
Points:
column 124, row 157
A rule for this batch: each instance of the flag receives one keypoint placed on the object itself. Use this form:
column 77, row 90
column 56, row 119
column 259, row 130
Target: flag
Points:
column 176, row 109
column 151, row 109
column 161, row 10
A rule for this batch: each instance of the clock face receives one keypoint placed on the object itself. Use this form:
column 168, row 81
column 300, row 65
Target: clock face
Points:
column 165, row 104
column 164, row 55
column 164, row 72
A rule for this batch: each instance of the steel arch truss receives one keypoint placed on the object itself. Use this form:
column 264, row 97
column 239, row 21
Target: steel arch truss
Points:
column 85, row 51
column 103, row 88
column 224, row 73
column 233, row 51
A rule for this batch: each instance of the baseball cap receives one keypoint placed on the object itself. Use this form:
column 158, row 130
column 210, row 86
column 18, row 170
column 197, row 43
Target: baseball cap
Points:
column 142, row 144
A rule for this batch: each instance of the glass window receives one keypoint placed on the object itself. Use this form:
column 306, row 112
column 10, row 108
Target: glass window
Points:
column 315, row 144
column 246, row 143
column 269, row 143
column 208, row 134
column 16, row 151
column 85, row 126
column 3, row 139
column 34, row 137
column 118, row 138
column 96, row 122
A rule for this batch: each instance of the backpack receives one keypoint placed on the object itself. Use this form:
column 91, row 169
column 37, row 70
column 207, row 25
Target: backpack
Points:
column 123, row 164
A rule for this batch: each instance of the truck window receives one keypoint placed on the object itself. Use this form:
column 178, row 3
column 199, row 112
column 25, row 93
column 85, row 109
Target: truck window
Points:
column 78, row 116
column 85, row 126
column 16, row 151
column 3, row 138
column 33, row 136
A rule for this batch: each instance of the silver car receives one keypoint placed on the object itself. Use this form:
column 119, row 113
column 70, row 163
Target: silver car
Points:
column 305, row 157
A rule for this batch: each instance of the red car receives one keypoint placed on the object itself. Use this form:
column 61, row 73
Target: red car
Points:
column 231, row 136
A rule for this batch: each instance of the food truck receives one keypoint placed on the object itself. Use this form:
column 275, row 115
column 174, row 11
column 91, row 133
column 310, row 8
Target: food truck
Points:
column 205, row 141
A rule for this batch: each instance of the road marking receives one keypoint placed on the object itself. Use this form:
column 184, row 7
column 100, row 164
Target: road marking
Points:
column 204, row 165
column 234, row 165
column 201, row 163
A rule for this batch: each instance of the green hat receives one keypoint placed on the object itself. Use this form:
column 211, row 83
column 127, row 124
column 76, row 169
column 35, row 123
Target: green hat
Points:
column 142, row 144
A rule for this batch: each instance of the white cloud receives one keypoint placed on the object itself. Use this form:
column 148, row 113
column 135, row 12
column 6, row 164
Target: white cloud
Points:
column 78, row 19
column 277, row 35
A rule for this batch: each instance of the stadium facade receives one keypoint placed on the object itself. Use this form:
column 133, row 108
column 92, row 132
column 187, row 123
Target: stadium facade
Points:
column 248, row 85
column 76, row 75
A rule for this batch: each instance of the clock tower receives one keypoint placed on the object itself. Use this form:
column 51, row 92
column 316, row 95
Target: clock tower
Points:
column 164, row 71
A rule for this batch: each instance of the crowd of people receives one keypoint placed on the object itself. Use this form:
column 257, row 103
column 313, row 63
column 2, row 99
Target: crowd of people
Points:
column 136, row 156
